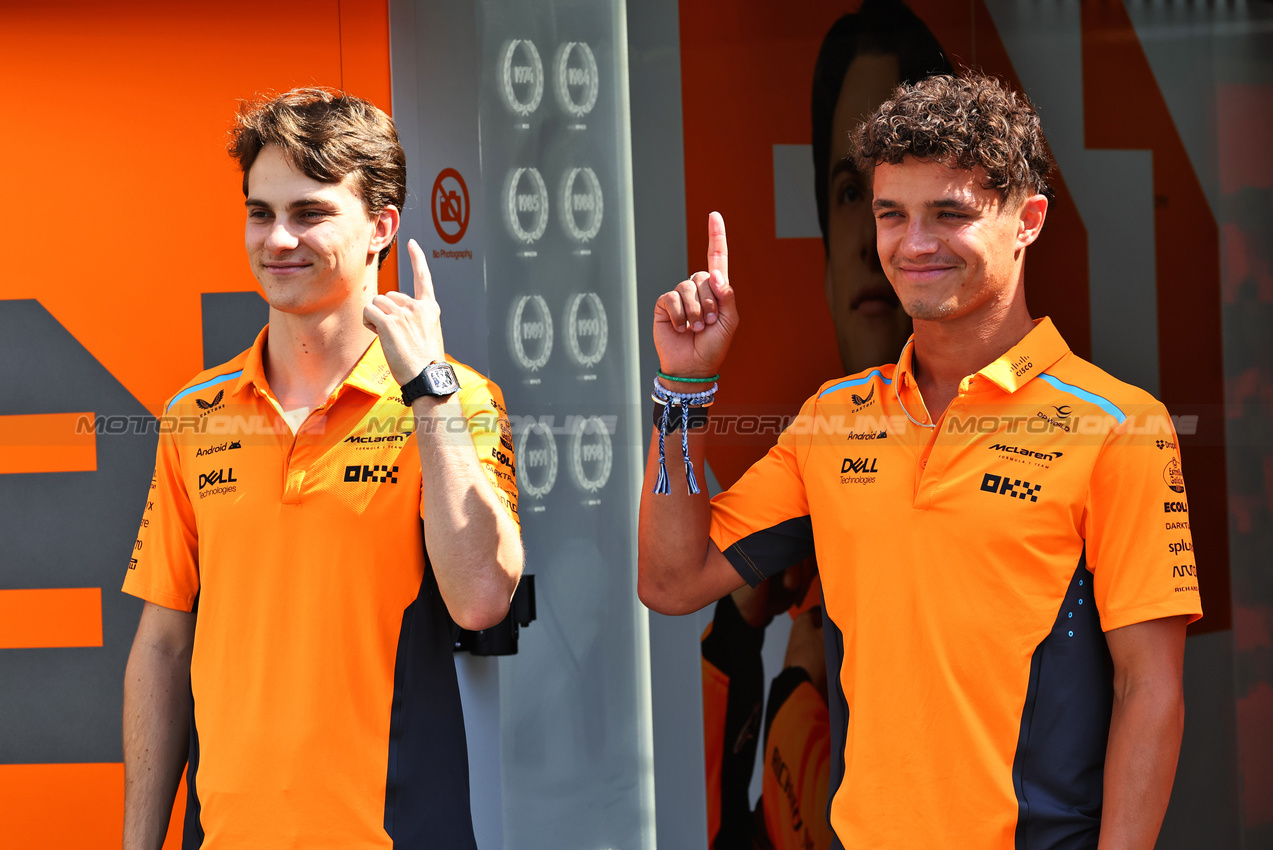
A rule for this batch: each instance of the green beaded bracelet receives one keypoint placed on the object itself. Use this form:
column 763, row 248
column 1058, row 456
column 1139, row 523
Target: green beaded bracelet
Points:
column 667, row 377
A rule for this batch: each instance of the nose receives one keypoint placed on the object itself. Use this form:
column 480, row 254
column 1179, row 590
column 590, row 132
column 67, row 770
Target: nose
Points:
column 917, row 241
column 278, row 239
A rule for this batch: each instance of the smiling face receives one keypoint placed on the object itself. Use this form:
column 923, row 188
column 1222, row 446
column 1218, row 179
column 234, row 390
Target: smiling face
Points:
column 869, row 323
column 951, row 247
column 311, row 245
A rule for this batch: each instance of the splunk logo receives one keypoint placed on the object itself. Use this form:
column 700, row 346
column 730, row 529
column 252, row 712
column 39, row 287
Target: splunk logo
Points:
column 530, row 332
column 1180, row 547
column 1014, row 487
column 378, row 474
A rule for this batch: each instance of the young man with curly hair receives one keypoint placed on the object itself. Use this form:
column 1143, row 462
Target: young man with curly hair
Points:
column 1000, row 526
column 304, row 556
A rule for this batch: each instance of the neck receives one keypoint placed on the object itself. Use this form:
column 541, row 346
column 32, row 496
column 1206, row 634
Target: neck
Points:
column 949, row 351
column 307, row 356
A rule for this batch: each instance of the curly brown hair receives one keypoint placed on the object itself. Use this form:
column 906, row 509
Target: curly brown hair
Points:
column 328, row 135
column 965, row 121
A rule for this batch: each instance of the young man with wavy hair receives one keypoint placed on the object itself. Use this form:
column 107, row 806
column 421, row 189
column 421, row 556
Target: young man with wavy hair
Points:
column 999, row 525
column 305, row 556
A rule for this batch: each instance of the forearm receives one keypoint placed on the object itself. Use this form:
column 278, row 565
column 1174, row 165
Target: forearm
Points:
column 1140, row 764
column 156, row 740
column 673, row 539
column 474, row 545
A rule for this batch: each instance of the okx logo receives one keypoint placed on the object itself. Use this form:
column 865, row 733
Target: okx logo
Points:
column 1014, row 487
column 378, row 474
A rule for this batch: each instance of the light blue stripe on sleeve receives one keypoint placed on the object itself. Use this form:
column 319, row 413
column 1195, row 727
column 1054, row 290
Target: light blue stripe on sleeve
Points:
column 1090, row 397
column 211, row 382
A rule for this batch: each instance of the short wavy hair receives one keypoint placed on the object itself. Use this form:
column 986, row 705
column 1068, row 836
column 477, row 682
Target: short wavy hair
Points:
column 962, row 121
column 327, row 135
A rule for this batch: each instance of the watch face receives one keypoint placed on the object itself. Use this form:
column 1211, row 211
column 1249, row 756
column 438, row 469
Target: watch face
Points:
column 441, row 379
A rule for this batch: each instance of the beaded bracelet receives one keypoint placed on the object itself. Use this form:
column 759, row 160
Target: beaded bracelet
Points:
column 685, row 401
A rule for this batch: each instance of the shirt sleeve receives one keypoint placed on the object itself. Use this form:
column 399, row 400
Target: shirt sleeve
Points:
column 164, row 568
column 483, row 406
column 761, row 524
column 1136, row 527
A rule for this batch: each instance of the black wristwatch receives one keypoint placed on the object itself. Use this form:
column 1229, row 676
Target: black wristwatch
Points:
column 437, row 379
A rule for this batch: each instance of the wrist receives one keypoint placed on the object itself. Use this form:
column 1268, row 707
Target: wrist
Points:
column 688, row 381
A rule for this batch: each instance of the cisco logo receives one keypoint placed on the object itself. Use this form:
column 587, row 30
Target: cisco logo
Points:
column 521, row 77
column 577, row 80
column 526, row 205
column 581, row 204
column 586, row 329
column 530, row 332
column 537, row 461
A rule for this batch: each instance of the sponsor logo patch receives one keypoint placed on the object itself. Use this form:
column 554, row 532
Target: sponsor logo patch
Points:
column 1007, row 486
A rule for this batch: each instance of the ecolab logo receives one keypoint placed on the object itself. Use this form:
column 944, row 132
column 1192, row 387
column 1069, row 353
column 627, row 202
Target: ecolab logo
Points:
column 1017, row 450
column 1175, row 507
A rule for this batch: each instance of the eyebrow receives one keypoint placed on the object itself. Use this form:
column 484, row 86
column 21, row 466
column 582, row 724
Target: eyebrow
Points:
column 939, row 204
column 294, row 205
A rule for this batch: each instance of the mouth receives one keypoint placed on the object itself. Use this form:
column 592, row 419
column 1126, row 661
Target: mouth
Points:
column 284, row 268
column 921, row 274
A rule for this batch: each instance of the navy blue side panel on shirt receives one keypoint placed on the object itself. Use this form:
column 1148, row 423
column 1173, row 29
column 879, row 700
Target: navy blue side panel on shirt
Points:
column 192, row 830
column 838, row 711
column 767, row 552
column 427, row 780
column 1059, row 767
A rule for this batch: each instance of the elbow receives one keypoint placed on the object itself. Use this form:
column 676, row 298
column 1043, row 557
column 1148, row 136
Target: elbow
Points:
column 658, row 599
column 484, row 615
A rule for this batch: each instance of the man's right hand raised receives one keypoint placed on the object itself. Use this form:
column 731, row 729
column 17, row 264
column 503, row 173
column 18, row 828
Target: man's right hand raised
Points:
column 694, row 323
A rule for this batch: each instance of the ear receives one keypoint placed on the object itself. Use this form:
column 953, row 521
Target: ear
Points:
column 385, row 228
column 1034, row 210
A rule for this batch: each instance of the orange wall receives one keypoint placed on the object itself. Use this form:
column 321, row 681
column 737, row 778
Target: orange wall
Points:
column 121, row 208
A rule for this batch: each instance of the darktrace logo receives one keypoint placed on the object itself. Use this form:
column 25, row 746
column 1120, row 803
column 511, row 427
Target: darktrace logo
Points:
column 1165, row 444
column 861, row 402
column 218, row 482
column 858, row 470
column 1059, row 420
column 206, row 407
column 1013, row 487
column 1172, row 476
column 229, row 445
column 1023, row 455
column 378, row 474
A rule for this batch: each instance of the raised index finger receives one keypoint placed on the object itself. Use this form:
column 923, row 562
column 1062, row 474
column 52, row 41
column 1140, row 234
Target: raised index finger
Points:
column 420, row 271
column 717, row 251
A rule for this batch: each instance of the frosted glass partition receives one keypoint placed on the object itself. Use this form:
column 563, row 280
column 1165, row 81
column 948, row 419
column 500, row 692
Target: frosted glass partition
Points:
column 515, row 118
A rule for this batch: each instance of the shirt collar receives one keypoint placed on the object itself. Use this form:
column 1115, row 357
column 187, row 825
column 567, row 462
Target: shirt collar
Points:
column 1034, row 354
column 371, row 375
column 1013, row 369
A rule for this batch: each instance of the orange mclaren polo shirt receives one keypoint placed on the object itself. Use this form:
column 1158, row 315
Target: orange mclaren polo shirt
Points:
column 326, row 712
column 969, row 571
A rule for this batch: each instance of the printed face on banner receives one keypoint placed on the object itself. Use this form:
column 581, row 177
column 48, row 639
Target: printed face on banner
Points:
column 870, row 325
